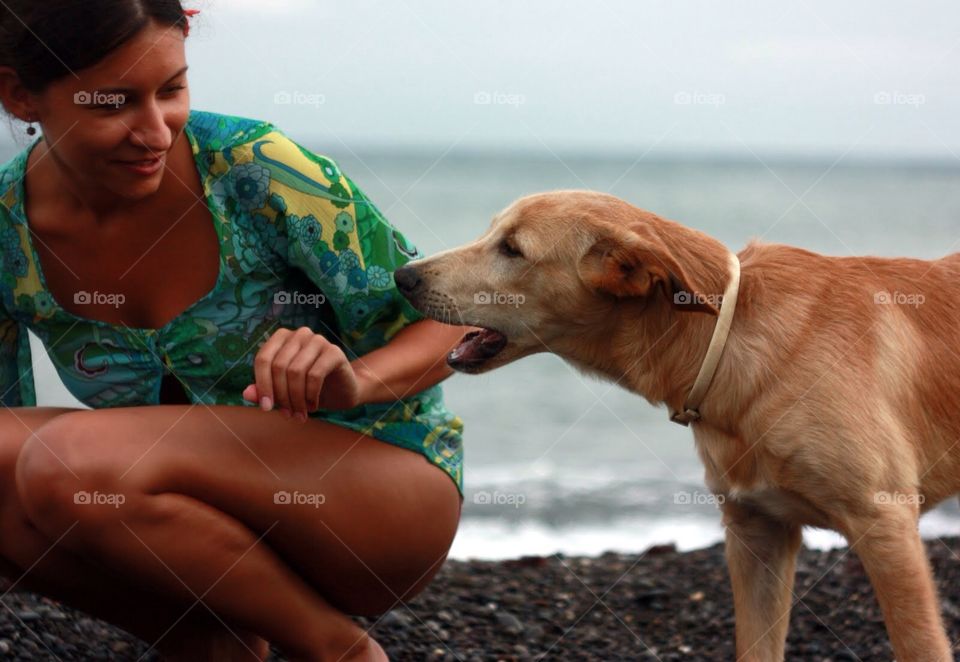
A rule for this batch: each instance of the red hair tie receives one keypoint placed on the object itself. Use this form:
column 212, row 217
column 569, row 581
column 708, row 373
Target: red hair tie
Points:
column 189, row 13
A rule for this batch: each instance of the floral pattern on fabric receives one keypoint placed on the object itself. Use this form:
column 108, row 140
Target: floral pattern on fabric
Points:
column 300, row 245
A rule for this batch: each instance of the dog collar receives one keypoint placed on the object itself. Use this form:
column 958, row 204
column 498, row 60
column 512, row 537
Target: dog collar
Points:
column 691, row 408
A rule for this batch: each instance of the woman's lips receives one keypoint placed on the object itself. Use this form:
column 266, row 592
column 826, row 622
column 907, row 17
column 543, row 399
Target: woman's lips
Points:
column 143, row 166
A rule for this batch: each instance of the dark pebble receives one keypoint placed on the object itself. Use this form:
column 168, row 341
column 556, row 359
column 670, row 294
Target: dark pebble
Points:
column 509, row 623
column 658, row 604
column 395, row 618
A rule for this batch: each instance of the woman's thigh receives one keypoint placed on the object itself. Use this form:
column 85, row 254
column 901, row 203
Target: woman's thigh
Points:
column 349, row 513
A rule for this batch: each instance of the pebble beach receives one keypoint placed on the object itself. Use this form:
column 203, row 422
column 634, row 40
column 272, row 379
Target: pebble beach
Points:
column 659, row 604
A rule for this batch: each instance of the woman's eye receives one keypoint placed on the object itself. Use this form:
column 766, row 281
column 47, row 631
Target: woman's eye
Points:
column 509, row 249
column 176, row 88
column 100, row 100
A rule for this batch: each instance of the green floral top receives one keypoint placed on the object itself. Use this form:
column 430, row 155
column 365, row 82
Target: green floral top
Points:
column 300, row 245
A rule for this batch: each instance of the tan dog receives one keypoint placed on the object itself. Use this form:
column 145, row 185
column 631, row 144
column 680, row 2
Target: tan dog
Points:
column 835, row 403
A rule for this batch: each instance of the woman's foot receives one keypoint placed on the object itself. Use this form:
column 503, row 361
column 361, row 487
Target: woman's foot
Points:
column 381, row 655
column 221, row 646
column 372, row 652
column 365, row 650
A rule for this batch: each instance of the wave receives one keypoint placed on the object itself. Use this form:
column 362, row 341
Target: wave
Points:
column 593, row 532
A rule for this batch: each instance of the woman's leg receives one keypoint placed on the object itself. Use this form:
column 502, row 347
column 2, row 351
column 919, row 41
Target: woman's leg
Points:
column 278, row 526
column 60, row 574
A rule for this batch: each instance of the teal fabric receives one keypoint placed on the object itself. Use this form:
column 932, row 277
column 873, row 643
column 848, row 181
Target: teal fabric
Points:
column 301, row 245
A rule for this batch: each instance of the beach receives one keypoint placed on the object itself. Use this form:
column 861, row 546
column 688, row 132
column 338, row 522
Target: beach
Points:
column 659, row 604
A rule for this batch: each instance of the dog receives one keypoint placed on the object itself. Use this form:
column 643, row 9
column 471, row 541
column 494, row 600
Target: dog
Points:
column 834, row 401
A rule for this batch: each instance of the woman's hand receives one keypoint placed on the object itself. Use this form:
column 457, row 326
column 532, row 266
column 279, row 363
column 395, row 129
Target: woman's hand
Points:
column 301, row 371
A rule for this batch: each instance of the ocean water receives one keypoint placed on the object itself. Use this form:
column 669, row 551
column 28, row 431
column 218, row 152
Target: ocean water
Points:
column 558, row 462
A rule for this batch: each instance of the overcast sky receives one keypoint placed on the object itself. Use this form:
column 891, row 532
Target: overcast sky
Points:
column 810, row 76
column 791, row 77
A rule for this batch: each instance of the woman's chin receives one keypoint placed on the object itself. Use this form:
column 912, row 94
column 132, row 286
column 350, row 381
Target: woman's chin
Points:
column 136, row 190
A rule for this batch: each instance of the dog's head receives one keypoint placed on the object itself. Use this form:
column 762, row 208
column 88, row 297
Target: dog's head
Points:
column 550, row 266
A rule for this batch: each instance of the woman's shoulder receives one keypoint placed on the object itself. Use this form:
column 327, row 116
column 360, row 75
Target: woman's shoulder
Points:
column 11, row 174
column 259, row 144
column 218, row 131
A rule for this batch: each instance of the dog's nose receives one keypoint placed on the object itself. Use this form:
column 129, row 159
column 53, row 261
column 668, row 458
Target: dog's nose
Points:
column 407, row 279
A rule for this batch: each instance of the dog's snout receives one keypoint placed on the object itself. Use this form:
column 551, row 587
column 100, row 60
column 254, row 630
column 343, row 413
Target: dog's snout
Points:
column 407, row 279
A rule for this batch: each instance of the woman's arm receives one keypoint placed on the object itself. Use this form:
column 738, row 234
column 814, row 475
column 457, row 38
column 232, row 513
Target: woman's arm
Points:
column 414, row 359
column 301, row 371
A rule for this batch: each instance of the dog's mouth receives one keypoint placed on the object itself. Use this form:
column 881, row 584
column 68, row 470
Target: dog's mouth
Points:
column 475, row 349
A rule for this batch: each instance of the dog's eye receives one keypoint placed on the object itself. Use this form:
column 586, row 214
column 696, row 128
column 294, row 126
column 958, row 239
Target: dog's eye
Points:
column 508, row 249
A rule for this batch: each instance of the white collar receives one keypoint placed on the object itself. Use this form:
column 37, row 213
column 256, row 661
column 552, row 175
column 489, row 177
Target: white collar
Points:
column 691, row 408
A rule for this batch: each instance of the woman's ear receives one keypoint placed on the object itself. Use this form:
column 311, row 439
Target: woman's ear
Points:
column 626, row 265
column 16, row 99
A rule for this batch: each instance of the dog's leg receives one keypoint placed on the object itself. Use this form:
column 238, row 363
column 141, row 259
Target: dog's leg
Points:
column 892, row 553
column 761, row 556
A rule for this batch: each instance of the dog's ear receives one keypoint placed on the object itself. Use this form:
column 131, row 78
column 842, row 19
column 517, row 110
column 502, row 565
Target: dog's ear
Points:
column 626, row 265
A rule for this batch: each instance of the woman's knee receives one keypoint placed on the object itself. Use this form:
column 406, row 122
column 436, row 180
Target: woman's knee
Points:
column 70, row 472
column 398, row 565
column 371, row 592
column 17, row 426
column 10, row 447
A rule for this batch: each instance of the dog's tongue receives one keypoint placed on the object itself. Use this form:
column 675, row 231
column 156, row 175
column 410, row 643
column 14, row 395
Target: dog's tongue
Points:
column 477, row 347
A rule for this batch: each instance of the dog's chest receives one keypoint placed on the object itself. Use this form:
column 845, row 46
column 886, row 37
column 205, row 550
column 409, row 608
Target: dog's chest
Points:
column 782, row 506
column 740, row 473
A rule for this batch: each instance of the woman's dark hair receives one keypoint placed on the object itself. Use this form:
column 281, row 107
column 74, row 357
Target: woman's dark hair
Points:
column 45, row 40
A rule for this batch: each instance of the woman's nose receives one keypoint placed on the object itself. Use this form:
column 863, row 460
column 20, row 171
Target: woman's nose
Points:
column 151, row 131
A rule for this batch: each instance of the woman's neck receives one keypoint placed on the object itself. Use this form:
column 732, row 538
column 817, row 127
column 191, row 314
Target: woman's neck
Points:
column 74, row 202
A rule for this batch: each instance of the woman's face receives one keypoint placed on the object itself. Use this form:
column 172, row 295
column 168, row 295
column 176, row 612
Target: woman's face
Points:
column 111, row 127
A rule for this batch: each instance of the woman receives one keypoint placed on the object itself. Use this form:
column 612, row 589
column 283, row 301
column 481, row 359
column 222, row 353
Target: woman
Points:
column 205, row 263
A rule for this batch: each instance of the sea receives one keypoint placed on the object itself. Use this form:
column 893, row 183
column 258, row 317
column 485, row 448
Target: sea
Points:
column 558, row 462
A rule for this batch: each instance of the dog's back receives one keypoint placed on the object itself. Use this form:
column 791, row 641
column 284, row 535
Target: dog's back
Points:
column 862, row 340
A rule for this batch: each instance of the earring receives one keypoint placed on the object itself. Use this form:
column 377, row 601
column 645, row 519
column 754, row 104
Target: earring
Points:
column 31, row 130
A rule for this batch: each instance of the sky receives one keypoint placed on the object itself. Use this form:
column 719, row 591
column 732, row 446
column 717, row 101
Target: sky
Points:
column 804, row 77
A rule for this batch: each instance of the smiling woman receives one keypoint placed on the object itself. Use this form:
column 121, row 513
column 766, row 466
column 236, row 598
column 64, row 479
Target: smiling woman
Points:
column 150, row 245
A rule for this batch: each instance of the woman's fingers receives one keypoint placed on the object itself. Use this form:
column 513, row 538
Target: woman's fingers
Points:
column 294, row 343
column 329, row 362
column 299, row 374
column 316, row 377
column 291, row 370
column 250, row 393
column 263, row 367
